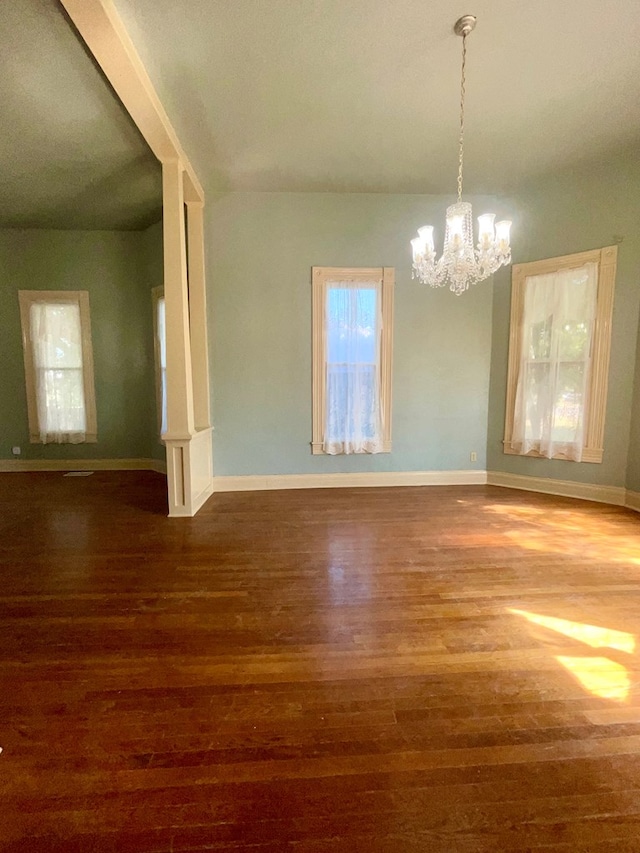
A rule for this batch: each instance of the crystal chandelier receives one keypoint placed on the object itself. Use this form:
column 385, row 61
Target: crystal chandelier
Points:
column 461, row 264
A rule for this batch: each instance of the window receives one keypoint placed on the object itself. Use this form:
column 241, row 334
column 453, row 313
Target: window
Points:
column 559, row 356
column 160, row 356
column 352, row 342
column 58, row 360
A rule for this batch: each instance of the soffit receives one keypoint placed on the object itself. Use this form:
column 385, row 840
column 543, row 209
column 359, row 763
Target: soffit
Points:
column 328, row 95
column 70, row 156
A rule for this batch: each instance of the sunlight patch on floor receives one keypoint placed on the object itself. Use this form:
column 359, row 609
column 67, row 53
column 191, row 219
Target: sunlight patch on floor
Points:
column 600, row 676
column 592, row 635
column 554, row 531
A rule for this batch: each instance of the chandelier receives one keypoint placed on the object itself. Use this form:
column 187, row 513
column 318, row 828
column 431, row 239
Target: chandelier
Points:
column 461, row 264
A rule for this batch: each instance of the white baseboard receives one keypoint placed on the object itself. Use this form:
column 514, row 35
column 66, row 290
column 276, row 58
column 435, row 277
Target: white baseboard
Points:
column 198, row 502
column 633, row 500
column 252, row 483
column 8, row 465
column 615, row 495
column 565, row 488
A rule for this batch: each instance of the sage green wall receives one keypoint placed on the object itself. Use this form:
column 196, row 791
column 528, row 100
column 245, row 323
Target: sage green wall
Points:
column 584, row 209
column 109, row 265
column 633, row 467
column 153, row 271
column 261, row 247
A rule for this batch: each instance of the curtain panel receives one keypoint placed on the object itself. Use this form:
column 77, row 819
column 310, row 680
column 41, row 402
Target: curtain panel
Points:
column 56, row 337
column 553, row 376
column 353, row 324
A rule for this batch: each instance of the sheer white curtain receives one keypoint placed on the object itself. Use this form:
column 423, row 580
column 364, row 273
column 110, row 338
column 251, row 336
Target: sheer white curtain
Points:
column 57, row 358
column 353, row 337
column 551, row 394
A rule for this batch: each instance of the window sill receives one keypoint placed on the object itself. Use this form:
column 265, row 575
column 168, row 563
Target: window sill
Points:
column 589, row 454
column 317, row 450
column 90, row 438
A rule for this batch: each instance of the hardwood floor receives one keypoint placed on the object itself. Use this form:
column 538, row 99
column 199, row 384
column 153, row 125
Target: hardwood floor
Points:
column 367, row 670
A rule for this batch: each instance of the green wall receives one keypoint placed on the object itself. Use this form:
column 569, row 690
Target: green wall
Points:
column 633, row 467
column 450, row 354
column 113, row 267
column 261, row 247
column 153, row 276
column 586, row 208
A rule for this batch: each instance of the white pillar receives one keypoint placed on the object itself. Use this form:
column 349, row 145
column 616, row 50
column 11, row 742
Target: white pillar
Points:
column 180, row 421
column 176, row 295
column 198, row 315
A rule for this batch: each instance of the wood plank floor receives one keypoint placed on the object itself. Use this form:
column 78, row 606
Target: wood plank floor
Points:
column 367, row 670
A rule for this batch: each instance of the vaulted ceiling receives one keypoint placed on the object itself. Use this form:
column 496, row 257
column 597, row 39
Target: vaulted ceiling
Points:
column 70, row 156
column 363, row 95
column 313, row 95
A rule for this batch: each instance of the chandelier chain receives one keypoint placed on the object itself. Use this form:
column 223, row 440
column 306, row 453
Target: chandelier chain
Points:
column 462, row 262
column 461, row 140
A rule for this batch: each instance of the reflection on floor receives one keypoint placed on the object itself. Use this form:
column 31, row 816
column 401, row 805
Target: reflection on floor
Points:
column 357, row 671
column 599, row 675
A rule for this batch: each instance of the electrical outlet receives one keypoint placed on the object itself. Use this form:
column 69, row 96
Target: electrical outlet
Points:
column 474, row 456
column 16, row 450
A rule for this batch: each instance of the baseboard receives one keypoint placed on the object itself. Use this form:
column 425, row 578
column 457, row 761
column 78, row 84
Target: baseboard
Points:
column 633, row 500
column 565, row 488
column 200, row 500
column 198, row 503
column 156, row 465
column 8, row 465
column 615, row 495
column 251, row 483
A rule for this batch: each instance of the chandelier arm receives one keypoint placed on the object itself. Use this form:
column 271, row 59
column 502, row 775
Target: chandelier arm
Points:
column 462, row 94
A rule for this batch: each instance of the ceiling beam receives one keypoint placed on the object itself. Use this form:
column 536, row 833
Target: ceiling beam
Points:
column 105, row 35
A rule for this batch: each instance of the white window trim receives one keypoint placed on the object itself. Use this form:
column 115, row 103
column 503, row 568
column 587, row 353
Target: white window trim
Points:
column 606, row 259
column 385, row 276
column 157, row 293
column 27, row 298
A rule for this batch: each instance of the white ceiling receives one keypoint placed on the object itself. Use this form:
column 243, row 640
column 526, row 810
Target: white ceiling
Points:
column 362, row 95
column 70, row 156
column 312, row 95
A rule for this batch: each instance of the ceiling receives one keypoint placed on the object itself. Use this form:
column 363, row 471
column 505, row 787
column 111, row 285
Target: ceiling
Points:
column 70, row 156
column 312, row 95
column 363, row 95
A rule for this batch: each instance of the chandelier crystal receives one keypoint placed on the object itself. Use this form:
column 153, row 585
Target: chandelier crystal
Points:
column 461, row 264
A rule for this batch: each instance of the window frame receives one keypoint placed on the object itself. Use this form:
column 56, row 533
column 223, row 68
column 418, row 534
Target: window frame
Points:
column 606, row 260
column 321, row 276
column 26, row 299
column 157, row 293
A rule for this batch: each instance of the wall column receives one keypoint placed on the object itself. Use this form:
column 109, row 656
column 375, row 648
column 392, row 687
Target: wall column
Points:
column 188, row 436
column 198, row 315
column 180, row 420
